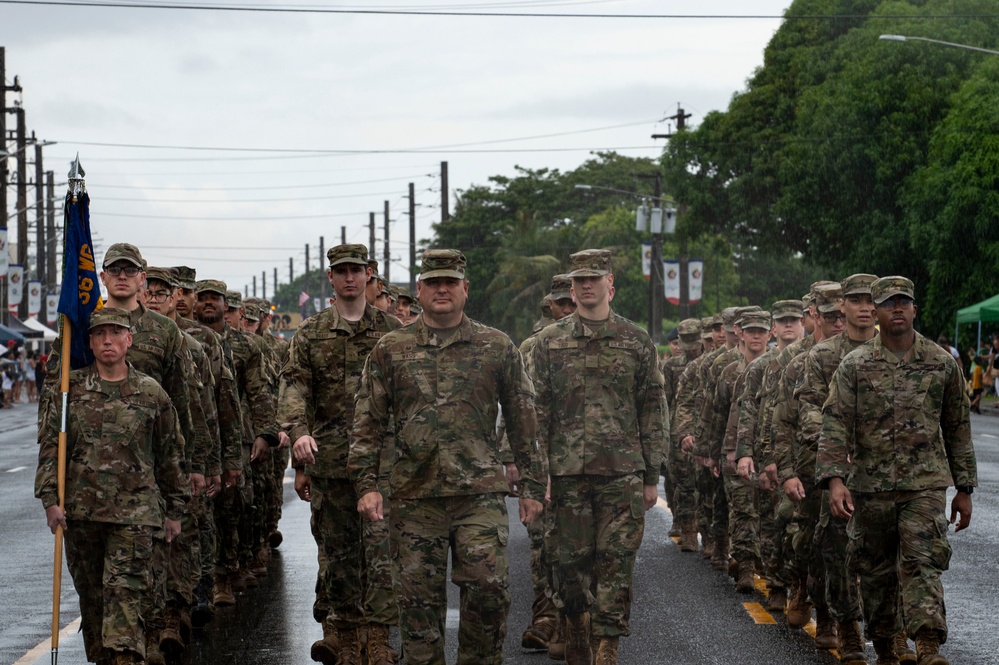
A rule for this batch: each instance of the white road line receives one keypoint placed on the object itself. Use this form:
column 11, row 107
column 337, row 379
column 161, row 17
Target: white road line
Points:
column 45, row 646
column 989, row 436
column 16, row 469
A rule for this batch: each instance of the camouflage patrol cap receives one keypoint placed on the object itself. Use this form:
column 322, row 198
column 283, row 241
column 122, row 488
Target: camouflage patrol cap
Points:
column 546, row 306
column 857, row 284
column 828, row 298
column 706, row 323
column 442, row 263
column 122, row 251
column 406, row 296
column 185, row 277
column 211, row 286
column 807, row 300
column 560, row 287
column 164, row 275
column 110, row 316
column 233, row 299
column 590, row 263
column 356, row 254
column 728, row 318
column 741, row 312
column 886, row 287
column 760, row 319
column 373, row 264
column 251, row 312
column 690, row 334
column 783, row 309
column 813, row 289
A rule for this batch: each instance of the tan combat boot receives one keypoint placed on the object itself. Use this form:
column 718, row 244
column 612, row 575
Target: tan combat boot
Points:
column 577, row 640
column 223, row 591
column 905, row 653
column 539, row 634
column 688, row 536
column 125, row 658
column 606, row 651
column 799, row 610
column 674, row 530
column 744, row 580
column 325, row 650
column 719, row 558
column 709, row 547
column 377, row 646
column 885, row 649
column 556, row 645
column 171, row 643
column 825, row 630
column 153, row 654
column 777, row 602
column 851, row 644
column 928, row 648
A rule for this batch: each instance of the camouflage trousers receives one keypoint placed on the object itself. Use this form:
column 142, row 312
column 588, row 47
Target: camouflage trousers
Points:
column 228, row 506
column 184, row 558
column 779, row 567
column 719, row 509
column 281, row 457
column 109, row 564
column 257, row 477
column 806, row 564
column 766, row 507
column 743, row 518
column 543, row 607
column 842, row 585
column 356, row 566
column 704, row 483
column 898, row 545
column 207, row 535
column 475, row 529
column 598, row 526
column 683, row 501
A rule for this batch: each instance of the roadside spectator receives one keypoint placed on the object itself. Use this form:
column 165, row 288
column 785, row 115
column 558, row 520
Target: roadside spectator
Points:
column 8, row 385
column 993, row 365
column 40, row 371
column 945, row 343
column 30, row 365
column 977, row 372
column 17, row 374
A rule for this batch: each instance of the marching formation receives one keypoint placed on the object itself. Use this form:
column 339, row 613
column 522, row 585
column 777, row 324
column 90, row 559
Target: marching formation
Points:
column 819, row 463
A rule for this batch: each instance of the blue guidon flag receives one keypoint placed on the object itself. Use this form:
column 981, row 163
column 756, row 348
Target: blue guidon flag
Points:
column 81, row 293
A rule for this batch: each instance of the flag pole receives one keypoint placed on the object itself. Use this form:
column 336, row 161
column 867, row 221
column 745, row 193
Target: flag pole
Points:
column 76, row 175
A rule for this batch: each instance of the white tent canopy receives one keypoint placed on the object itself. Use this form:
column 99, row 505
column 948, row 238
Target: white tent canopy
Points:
column 48, row 334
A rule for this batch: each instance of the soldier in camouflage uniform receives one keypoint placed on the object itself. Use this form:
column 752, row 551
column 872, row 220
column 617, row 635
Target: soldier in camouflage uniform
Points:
column 545, row 631
column 601, row 401
column 680, row 466
column 114, row 500
column 437, row 384
column 841, row 592
column 895, row 434
column 318, row 385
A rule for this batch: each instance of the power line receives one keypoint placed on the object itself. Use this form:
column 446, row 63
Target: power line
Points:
column 98, row 185
column 286, row 218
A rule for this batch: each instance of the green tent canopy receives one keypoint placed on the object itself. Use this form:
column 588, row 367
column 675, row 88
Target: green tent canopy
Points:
column 987, row 310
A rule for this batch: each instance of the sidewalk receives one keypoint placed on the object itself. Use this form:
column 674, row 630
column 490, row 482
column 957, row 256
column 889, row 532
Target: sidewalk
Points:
column 22, row 415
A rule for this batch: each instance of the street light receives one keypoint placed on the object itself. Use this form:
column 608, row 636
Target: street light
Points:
column 905, row 38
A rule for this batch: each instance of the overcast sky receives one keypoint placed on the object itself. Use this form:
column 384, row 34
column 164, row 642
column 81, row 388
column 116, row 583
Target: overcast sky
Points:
column 287, row 82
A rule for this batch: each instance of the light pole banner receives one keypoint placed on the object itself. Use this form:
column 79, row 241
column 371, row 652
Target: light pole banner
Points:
column 695, row 282
column 15, row 286
column 671, row 281
column 34, row 298
column 647, row 259
column 4, row 253
column 52, row 309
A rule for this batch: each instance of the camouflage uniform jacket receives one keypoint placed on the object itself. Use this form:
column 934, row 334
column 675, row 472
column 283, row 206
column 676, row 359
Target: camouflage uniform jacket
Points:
column 793, row 459
column 600, row 399
column 748, row 404
column 820, row 365
column 672, row 369
column 689, row 394
column 321, row 380
column 203, row 457
column 253, row 388
column 768, row 398
column 442, row 400
column 897, row 423
column 710, row 431
column 730, row 385
column 225, row 422
column 122, row 453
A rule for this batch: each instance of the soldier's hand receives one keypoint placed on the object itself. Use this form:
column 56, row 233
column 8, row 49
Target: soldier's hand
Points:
column 214, row 486
column 513, row 479
column 171, row 529
column 687, row 444
column 529, row 510
column 794, row 490
column 198, row 484
column 746, row 467
column 258, row 453
column 54, row 517
column 548, row 491
column 840, row 499
column 765, row 482
column 232, row 477
column 715, row 467
column 305, row 450
column 771, row 470
column 650, row 495
column 370, row 506
column 303, row 485
column 284, row 441
column 960, row 506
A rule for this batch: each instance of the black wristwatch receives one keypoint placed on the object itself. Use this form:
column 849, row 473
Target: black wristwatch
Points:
column 966, row 489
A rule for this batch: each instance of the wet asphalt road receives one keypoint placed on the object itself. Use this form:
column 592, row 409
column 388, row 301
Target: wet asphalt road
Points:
column 683, row 611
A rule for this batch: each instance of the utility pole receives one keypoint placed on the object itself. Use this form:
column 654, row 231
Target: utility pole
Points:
column 388, row 254
column 22, row 206
column 275, row 282
column 4, row 161
column 656, row 294
column 263, row 284
column 371, row 235
column 50, row 232
column 39, row 216
column 319, row 267
column 444, row 189
column 412, row 238
column 680, row 118
column 308, row 268
column 343, row 235
column 291, row 270
column 254, row 286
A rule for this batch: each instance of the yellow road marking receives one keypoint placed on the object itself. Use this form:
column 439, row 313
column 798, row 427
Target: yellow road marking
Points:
column 661, row 503
column 45, row 646
column 761, row 585
column 759, row 615
column 810, row 628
